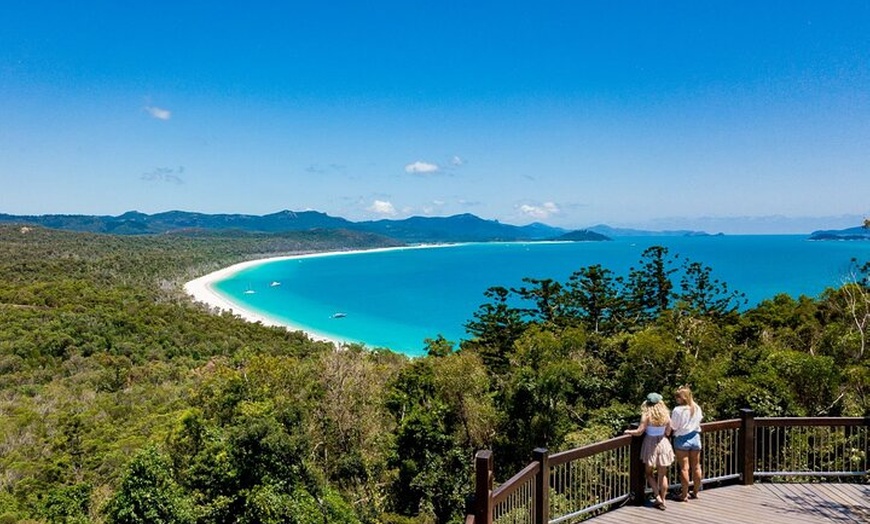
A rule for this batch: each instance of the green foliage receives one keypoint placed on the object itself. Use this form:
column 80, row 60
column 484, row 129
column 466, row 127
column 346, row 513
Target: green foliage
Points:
column 101, row 352
column 124, row 402
column 811, row 381
column 438, row 347
column 68, row 504
column 354, row 428
column 148, row 494
column 654, row 361
column 443, row 413
column 546, row 295
column 247, row 460
column 495, row 327
column 461, row 383
column 594, row 297
column 543, row 397
column 268, row 505
column 703, row 295
column 649, row 286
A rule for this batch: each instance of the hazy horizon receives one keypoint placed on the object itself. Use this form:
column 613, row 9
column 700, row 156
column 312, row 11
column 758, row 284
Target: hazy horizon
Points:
column 636, row 115
column 728, row 225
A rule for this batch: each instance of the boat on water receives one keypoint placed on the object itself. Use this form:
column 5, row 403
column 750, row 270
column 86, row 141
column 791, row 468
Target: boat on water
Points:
column 339, row 315
column 249, row 291
column 275, row 284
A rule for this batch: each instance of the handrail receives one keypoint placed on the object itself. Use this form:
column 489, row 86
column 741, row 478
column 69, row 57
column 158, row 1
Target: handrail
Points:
column 721, row 424
column 812, row 447
column 810, row 421
column 593, row 478
column 502, row 492
column 589, row 450
column 721, row 440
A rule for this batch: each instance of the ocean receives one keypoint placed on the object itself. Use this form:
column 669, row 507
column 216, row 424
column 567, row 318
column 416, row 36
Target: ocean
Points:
column 398, row 298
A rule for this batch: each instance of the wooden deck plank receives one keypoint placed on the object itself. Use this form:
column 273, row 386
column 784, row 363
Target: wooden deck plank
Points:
column 857, row 495
column 852, row 501
column 835, row 502
column 818, row 503
column 811, row 501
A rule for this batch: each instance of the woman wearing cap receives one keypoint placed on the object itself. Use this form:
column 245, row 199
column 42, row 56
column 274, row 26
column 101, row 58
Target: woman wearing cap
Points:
column 686, row 425
column 656, row 451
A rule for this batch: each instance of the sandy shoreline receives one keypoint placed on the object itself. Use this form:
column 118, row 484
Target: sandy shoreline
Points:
column 201, row 290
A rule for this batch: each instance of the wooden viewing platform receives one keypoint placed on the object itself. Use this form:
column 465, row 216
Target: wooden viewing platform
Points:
column 762, row 503
column 769, row 470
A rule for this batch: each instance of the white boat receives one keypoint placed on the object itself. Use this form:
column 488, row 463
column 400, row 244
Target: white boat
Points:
column 275, row 284
column 339, row 315
column 249, row 291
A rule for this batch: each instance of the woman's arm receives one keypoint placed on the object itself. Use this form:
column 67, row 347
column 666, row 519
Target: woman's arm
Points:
column 640, row 429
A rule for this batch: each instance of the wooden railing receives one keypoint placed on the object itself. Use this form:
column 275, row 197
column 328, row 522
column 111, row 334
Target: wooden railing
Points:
column 576, row 484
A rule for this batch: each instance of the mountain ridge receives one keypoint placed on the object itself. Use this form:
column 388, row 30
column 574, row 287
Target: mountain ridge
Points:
column 457, row 228
column 464, row 227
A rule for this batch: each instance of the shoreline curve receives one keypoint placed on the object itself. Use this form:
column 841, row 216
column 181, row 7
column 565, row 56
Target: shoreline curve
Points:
column 201, row 290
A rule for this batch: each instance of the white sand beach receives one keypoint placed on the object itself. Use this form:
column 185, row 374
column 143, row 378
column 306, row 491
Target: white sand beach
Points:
column 202, row 291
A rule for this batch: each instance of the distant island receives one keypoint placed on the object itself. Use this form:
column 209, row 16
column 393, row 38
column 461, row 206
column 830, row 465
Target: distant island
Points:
column 853, row 233
column 628, row 232
column 457, row 228
column 584, row 235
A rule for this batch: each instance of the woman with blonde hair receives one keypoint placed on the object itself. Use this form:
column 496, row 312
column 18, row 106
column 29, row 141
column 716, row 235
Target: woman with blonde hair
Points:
column 686, row 425
column 656, row 451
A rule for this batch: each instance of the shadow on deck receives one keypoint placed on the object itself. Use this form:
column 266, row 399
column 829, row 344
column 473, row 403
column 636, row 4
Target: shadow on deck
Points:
column 757, row 503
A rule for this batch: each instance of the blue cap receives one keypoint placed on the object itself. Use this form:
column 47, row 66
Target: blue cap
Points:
column 653, row 398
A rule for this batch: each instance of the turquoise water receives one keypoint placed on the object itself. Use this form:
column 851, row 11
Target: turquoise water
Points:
column 396, row 299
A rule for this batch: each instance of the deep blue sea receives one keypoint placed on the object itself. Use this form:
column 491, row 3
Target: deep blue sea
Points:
column 396, row 299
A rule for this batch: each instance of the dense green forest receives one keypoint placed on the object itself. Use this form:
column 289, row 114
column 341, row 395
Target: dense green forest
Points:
column 121, row 401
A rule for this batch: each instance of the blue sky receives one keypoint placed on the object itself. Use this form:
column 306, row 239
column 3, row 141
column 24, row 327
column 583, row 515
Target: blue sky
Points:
column 731, row 116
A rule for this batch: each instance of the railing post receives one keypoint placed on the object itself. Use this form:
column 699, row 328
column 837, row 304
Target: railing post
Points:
column 483, row 487
column 542, row 486
column 746, row 447
column 636, row 471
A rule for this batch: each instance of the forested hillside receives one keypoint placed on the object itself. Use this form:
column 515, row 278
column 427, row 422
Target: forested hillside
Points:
column 121, row 401
column 418, row 229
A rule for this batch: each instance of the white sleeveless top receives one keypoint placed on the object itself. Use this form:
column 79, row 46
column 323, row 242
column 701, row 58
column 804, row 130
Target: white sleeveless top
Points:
column 655, row 431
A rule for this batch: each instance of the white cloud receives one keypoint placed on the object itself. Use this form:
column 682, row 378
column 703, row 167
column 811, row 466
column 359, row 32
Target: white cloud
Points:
column 545, row 210
column 456, row 161
column 164, row 174
column 434, row 207
column 421, row 168
column 382, row 207
column 159, row 113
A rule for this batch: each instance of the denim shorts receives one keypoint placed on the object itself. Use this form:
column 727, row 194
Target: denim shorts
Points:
column 688, row 442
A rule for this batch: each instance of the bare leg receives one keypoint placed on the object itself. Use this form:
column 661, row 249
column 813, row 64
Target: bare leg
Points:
column 651, row 479
column 653, row 482
column 662, row 473
column 697, row 474
column 683, row 466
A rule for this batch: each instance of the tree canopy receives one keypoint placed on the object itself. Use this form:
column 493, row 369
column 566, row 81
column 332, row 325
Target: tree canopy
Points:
column 122, row 401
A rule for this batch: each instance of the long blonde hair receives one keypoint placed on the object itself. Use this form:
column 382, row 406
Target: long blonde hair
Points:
column 686, row 395
column 656, row 414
